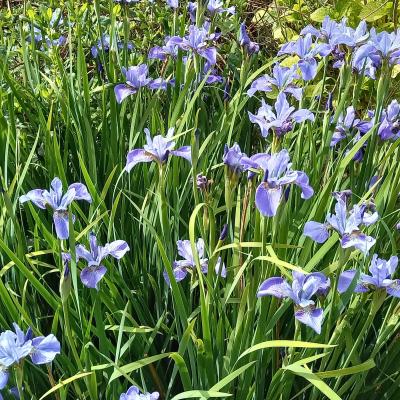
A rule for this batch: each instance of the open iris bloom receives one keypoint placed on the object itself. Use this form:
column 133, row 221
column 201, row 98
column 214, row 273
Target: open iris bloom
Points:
column 302, row 289
column 58, row 202
column 94, row 272
column 134, row 393
column 245, row 42
column 347, row 224
column 15, row 346
column 389, row 128
column 346, row 123
column 163, row 52
column 381, row 272
column 306, row 50
column 137, row 78
column 197, row 41
column 282, row 78
column 338, row 33
column 380, row 47
column 173, row 4
column 182, row 267
column 233, row 158
column 282, row 119
column 216, row 7
column 157, row 149
column 277, row 175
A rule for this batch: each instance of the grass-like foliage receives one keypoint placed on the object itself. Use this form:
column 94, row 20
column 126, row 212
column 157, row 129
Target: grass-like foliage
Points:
column 184, row 216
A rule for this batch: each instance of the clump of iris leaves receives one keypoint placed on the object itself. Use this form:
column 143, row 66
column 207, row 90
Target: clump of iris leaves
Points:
column 183, row 216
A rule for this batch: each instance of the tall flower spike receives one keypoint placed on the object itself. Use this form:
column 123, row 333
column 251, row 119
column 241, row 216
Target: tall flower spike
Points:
column 58, row 202
column 278, row 174
column 94, row 272
column 282, row 119
column 157, row 149
column 347, row 224
column 381, row 272
column 302, row 289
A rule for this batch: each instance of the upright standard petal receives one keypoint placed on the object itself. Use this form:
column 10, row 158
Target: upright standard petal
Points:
column 44, row 349
column 268, row 199
column 310, row 317
column 137, row 156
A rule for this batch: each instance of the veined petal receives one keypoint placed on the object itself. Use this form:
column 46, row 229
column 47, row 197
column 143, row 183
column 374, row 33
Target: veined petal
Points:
column 61, row 223
column 116, row 249
column 316, row 231
column 81, row 192
column 310, row 317
column 394, row 288
column 82, row 252
column 179, row 275
column 36, row 197
column 308, row 68
column 360, row 241
column 44, row 349
column 275, row 286
column 184, row 151
column 4, row 375
column 91, row 276
column 268, row 200
column 210, row 54
column 137, row 156
column 122, row 91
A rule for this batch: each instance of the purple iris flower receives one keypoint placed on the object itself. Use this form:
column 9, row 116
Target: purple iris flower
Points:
column 304, row 48
column 58, row 202
column 94, row 272
column 196, row 41
column 136, row 78
column 163, row 52
column 157, row 149
column 302, row 289
column 187, row 263
column 18, row 345
column 282, row 120
column 381, row 46
column 104, row 43
column 173, row 4
column 216, row 7
column 213, row 77
column 337, row 33
column 134, row 393
column 278, row 174
column 282, row 79
column 245, row 42
column 346, row 123
column 347, row 224
column 389, row 128
column 381, row 272
column 233, row 158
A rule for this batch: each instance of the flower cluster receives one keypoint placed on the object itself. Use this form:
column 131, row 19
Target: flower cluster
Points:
column 15, row 346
